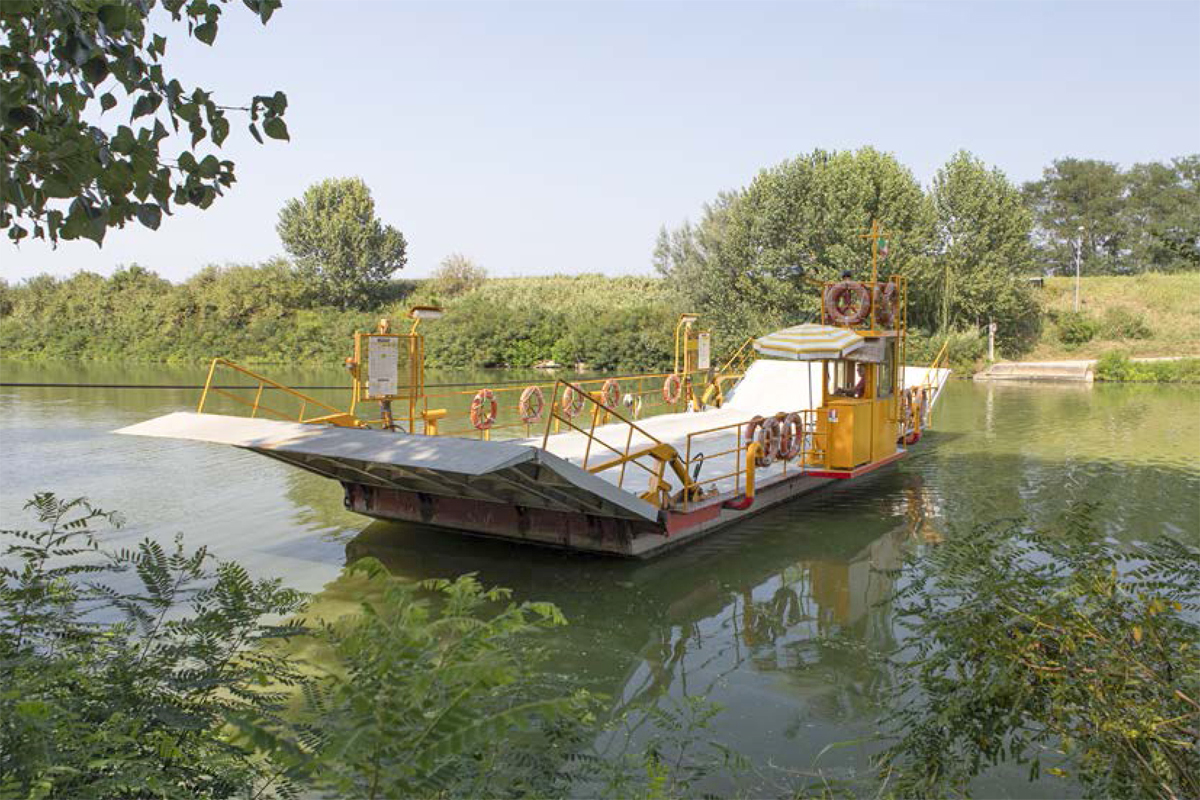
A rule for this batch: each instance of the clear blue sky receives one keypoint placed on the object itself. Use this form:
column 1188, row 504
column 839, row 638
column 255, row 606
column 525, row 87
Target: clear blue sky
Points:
column 558, row 137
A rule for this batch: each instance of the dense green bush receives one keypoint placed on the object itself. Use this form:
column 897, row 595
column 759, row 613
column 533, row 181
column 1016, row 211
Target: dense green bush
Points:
column 120, row 669
column 1121, row 323
column 1116, row 366
column 1059, row 650
column 964, row 349
column 1076, row 327
column 261, row 314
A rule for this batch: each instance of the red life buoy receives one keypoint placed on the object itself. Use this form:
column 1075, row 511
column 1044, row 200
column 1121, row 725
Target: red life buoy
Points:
column 531, row 404
column 610, row 394
column 766, row 433
column 847, row 303
column 887, row 305
column 791, row 436
column 672, row 389
column 572, row 402
column 483, row 409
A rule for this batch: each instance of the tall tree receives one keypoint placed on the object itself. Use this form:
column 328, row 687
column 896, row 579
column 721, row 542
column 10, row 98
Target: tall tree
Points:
column 1080, row 200
column 342, row 251
column 744, row 264
column 1163, row 215
column 982, row 252
column 66, row 175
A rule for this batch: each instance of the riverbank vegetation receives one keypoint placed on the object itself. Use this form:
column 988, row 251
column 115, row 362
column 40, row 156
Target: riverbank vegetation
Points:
column 968, row 244
column 155, row 670
column 1117, row 366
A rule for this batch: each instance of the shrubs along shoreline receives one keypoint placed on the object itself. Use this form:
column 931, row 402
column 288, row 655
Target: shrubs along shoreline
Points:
column 262, row 314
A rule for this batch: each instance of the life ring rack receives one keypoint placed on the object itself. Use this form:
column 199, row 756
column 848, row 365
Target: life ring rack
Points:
column 847, row 303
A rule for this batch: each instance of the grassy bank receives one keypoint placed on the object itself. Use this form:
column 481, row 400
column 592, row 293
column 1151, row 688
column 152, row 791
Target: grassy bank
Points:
column 1143, row 316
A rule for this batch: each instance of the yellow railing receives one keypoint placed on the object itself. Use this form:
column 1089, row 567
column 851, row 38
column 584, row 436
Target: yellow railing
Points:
column 812, row 453
column 644, row 393
column 940, row 361
column 733, row 369
column 597, row 415
column 263, row 384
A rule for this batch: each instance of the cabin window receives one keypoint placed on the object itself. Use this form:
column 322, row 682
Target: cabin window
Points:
column 887, row 370
column 842, row 377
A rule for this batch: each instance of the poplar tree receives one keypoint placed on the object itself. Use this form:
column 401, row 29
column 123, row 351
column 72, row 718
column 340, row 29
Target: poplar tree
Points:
column 343, row 252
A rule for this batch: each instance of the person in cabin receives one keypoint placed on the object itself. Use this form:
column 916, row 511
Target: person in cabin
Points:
column 860, row 388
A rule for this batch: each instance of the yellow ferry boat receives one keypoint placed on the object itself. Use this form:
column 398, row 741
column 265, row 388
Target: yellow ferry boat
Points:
column 627, row 465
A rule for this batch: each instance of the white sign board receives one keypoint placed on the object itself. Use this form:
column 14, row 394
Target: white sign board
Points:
column 383, row 366
column 703, row 351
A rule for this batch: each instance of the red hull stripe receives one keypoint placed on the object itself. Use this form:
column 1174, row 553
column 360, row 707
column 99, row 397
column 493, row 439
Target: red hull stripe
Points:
column 854, row 473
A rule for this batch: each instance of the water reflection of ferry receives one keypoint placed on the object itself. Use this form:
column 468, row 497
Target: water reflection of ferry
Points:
column 621, row 465
column 690, row 620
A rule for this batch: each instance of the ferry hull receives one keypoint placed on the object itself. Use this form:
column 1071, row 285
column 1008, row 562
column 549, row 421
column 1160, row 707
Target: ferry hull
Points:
column 578, row 532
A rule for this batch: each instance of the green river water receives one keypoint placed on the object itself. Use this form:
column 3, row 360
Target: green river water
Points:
column 741, row 617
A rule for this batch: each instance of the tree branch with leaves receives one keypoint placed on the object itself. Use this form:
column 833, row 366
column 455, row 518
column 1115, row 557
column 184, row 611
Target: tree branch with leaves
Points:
column 67, row 63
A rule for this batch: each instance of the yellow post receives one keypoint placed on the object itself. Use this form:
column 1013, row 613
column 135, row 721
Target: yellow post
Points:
column 204, row 395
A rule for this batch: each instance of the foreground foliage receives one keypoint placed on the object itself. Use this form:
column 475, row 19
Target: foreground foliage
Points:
column 1051, row 648
column 147, row 672
column 432, row 692
column 118, row 669
column 66, row 174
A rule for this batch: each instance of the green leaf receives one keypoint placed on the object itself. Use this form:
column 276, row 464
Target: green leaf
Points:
column 96, row 70
column 209, row 167
column 206, row 32
column 220, row 130
column 254, row 132
column 107, row 101
column 146, row 104
column 149, row 215
column 113, row 16
column 22, row 116
column 276, row 128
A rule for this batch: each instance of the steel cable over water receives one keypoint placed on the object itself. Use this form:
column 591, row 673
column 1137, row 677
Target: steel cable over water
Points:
column 27, row 385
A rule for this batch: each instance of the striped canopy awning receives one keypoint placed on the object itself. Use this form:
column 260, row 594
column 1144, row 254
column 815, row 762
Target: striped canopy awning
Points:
column 809, row 342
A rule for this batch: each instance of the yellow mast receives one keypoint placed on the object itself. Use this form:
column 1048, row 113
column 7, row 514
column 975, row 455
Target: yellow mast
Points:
column 876, row 234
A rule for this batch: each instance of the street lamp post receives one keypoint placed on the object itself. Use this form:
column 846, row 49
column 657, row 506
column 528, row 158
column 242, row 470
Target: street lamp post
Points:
column 1078, row 252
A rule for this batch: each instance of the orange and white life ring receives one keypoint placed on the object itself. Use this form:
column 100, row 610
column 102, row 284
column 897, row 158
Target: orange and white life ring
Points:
column 791, row 436
column 610, row 394
column 766, row 433
column 672, row 389
column 483, row 409
column 572, row 402
column 887, row 305
column 847, row 303
column 531, row 404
